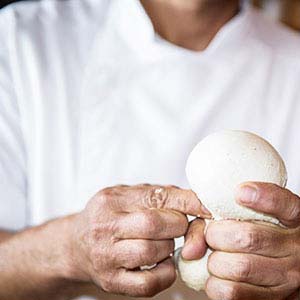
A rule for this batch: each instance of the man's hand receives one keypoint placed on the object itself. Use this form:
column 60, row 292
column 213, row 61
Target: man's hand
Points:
column 124, row 228
column 257, row 261
column 103, row 247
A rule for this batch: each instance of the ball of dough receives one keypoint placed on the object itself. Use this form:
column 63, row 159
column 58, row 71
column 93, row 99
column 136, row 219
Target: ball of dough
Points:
column 215, row 168
column 223, row 160
column 193, row 273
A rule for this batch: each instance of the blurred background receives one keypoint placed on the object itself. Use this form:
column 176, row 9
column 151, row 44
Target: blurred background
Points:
column 287, row 11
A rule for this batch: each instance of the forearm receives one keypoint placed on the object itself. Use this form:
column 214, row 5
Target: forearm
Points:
column 37, row 263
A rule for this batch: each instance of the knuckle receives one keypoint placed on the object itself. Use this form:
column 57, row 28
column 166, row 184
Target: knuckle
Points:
column 230, row 292
column 156, row 196
column 248, row 240
column 148, row 287
column 107, row 286
column 102, row 199
column 105, row 194
column 243, row 269
column 107, row 283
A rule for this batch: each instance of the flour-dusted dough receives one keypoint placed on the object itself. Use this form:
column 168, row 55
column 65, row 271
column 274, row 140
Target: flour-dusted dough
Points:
column 215, row 168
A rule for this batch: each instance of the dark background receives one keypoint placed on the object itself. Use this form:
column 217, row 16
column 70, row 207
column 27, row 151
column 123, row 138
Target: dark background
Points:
column 5, row 2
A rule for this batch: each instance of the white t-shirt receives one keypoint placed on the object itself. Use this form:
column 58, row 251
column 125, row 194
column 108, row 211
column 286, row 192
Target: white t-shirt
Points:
column 91, row 97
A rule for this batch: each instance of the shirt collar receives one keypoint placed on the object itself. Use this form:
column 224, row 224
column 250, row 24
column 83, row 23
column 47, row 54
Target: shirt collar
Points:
column 131, row 28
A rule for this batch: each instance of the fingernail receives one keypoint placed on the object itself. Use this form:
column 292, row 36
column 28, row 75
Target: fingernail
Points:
column 246, row 194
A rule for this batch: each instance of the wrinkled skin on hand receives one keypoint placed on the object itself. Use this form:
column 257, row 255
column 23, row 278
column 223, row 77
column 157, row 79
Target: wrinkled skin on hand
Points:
column 255, row 261
column 125, row 227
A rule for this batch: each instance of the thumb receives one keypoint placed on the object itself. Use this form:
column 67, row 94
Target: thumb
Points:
column 195, row 245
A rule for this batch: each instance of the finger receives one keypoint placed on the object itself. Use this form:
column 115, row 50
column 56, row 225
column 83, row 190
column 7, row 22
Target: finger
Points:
column 248, row 268
column 271, row 199
column 195, row 245
column 245, row 237
column 146, row 283
column 217, row 289
column 131, row 254
column 139, row 197
column 153, row 224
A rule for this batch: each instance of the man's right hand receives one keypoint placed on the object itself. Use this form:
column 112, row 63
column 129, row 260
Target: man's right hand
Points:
column 125, row 227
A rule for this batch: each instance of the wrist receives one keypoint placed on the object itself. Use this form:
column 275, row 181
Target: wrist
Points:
column 75, row 262
column 64, row 260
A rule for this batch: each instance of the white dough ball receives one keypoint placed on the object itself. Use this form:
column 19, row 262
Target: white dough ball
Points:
column 223, row 160
column 194, row 273
column 215, row 168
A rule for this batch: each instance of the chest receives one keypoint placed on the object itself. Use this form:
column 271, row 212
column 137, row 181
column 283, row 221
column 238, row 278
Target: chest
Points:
column 137, row 123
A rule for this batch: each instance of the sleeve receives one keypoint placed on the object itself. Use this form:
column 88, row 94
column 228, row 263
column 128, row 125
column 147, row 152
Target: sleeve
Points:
column 12, row 150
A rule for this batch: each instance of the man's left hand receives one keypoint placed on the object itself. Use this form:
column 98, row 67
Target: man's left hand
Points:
column 256, row 260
